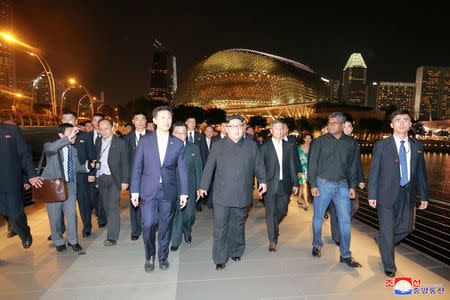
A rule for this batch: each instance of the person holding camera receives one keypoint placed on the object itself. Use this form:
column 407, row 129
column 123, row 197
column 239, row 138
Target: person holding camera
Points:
column 112, row 176
column 62, row 162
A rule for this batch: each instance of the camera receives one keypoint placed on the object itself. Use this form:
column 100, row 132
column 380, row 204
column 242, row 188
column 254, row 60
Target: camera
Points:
column 97, row 165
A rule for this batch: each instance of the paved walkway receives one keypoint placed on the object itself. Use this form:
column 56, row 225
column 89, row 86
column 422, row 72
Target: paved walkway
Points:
column 291, row 273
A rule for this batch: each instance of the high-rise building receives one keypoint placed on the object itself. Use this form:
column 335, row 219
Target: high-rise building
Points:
column 163, row 77
column 354, row 80
column 7, row 60
column 334, row 89
column 432, row 93
column 398, row 95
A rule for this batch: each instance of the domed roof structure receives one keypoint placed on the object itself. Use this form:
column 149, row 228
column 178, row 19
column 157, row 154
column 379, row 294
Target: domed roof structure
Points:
column 242, row 78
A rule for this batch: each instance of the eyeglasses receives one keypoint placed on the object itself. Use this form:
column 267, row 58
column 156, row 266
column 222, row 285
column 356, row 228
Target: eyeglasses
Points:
column 235, row 126
column 334, row 123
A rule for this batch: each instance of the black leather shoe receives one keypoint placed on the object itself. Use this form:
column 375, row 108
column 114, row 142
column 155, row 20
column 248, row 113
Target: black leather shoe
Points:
column 316, row 252
column 236, row 258
column 101, row 225
column 11, row 234
column 134, row 238
column 188, row 239
column 149, row 264
column 86, row 234
column 76, row 247
column 61, row 248
column 174, row 248
column 49, row 237
column 389, row 273
column 163, row 264
column 220, row 266
column 349, row 261
column 27, row 243
column 338, row 243
column 199, row 208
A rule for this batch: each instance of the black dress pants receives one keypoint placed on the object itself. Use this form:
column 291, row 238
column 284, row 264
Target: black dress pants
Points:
column 276, row 210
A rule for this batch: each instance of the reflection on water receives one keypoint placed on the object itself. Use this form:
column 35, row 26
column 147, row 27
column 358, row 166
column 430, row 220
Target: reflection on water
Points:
column 438, row 173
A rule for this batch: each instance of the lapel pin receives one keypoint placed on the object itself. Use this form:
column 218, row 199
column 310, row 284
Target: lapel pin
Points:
column 171, row 143
column 7, row 136
column 81, row 141
column 134, row 147
column 418, row 151
column 396, row 160
column 193, row 154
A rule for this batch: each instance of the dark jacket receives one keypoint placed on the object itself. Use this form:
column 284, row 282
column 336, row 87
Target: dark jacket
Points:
column 130, row 141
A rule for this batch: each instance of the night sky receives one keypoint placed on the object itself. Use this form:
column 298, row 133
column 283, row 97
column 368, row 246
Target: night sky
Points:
column 107, row 45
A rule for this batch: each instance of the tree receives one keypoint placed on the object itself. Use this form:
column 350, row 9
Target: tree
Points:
column 214, row 116
column 257, row 121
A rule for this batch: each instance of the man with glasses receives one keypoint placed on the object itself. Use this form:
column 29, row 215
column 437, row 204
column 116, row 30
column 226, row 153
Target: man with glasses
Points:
column 332, row 173
column 235, row 161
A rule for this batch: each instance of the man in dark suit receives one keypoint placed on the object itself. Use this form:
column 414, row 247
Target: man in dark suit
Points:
column 291, row 140
column 132, row 141
column 85, row 149
column 281, row 180
column 158, row 177
column 95, row 136
column 222, row 134
column 397, row 175
column 234, row 161
column 16, row 163
column 112, row 176
column 184, row 218
column 198, row 138
column 209, row 135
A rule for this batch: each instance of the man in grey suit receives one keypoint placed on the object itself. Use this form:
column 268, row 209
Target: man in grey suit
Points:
column 112, row 176
column 278, row 157
column 62, row 162
column 235, row 161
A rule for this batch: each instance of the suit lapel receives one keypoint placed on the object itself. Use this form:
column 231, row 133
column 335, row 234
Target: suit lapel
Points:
column 111, row 151
column 392, row 148
column 133, row 138
column 274, row 152
column 413, row 149
column 169, row 148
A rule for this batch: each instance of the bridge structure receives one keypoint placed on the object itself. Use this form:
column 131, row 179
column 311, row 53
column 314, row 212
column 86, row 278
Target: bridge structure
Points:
column 295, row 111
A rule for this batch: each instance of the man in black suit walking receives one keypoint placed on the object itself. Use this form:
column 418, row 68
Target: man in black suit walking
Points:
column 85, row 150
column 16, row 163
column 281, row 180
column 235, row 161
column 397, row 175
column 132, row 141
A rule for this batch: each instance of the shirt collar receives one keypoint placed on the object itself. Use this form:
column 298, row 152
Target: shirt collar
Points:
column 143, row 132
column 278, row 143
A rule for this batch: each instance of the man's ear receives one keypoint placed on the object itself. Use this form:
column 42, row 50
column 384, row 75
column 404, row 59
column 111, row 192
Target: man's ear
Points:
column 60, row 135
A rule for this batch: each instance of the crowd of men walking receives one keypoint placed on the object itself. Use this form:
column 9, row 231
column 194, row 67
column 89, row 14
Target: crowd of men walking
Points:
column 169, row 171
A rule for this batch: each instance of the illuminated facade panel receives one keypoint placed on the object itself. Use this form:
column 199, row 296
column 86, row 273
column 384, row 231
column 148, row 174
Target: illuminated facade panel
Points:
column 240, row 78
column 398, row 94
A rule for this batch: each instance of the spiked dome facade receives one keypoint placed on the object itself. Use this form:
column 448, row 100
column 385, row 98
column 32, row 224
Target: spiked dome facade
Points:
column 242, row 78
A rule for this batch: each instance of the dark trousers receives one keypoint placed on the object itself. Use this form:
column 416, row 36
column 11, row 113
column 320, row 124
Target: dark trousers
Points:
column 229, row 232
column 10, row 229
column 158, row 211
column 136, row 220
column 109, row 195
column 18, row 222
column 97, row 204
column 84, row 204
column 276, row 210
column 334, row 221
column 183, row 221
column 395, row 223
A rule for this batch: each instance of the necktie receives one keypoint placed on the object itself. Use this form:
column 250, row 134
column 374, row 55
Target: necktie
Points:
column 403, row 164
column 137, row 142
column 97, row 136
column 70, row 170
column 191, row 139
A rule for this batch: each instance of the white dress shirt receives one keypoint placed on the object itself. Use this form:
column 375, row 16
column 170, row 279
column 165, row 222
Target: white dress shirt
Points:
column 279, row 150
column 208, row 143
column 65, row 152
column 137, row 135
column 104, row 153
column 96, row 134
column 408, row 154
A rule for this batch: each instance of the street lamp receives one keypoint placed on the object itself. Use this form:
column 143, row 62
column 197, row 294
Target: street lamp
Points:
column 33, row 52
column 73, row 82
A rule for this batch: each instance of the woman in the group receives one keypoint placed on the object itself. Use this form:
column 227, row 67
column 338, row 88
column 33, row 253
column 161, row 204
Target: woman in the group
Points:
column 303, row 150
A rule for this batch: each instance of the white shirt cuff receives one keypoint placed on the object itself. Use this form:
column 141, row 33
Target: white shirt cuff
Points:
column 135, row 194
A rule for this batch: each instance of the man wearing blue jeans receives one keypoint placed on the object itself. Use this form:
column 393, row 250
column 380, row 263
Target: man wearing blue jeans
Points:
column 332, row 172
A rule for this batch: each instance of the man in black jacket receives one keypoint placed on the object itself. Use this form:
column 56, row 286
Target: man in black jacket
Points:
column 16, row 161
column 281, row 180
column 235, row 161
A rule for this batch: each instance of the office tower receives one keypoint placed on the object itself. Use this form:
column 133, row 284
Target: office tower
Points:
column 398, row 95
column 432, row 93
column 354, row 80
column 163, row 77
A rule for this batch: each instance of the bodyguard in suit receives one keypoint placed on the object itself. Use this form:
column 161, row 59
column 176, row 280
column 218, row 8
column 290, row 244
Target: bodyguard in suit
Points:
column 62, row 162
column 222, row 134
column 95, row 136
column 158, row 177
column 112, row 176
column 184, row 218
column 281, row 180
column 234, row 161
column 16, row 163
column 293, row 142
column 209, row 135
column 85, row 151
column 397, row 175
column 132, row 140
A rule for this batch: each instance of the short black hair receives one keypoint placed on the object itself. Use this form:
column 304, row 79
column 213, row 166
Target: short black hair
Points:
column 190, row 117
column 74, row 114
column 99, row 115
column 137, row 113
column 128, row 125
column 161, row 108
column 110, row 122
column 179, row 124
column 400, row 112
column 88, row 121
column 82, row 123
column 235, row 117
column 250, row 126
column 62, row 127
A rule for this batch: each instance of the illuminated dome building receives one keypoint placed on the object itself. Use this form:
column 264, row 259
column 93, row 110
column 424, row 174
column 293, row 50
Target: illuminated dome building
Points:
column 252, row 83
